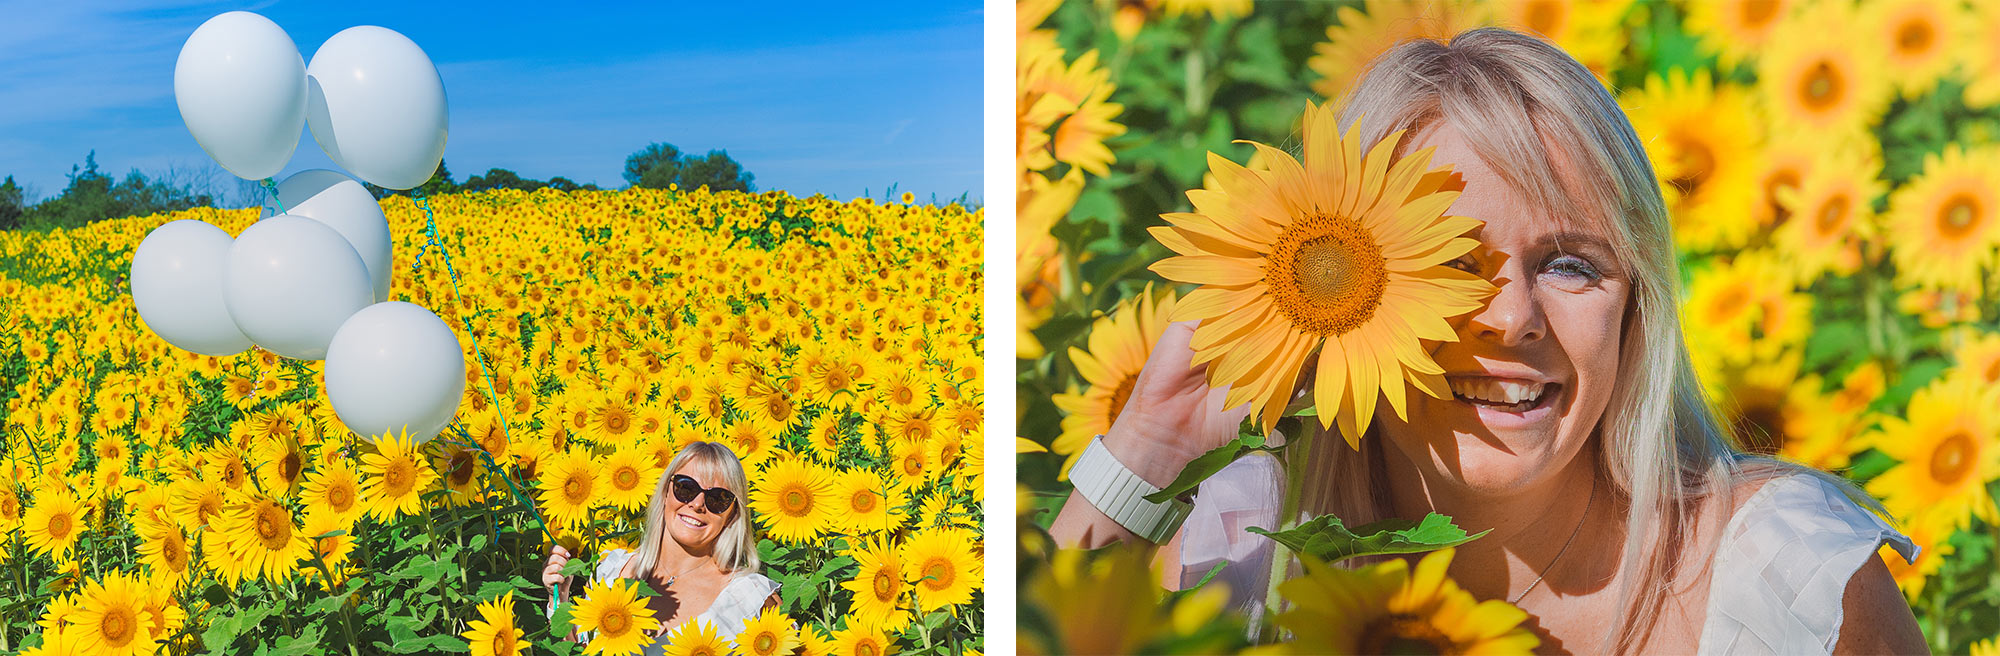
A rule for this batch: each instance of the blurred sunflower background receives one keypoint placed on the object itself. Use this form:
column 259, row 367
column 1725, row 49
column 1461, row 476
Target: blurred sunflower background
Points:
column 1831, row 169
column 157, row 501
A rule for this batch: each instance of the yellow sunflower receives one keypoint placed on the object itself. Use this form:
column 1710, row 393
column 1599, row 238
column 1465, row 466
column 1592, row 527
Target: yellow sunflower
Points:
column 1701, row 139
column 494, row 633
column 770, row 633
column 196, row 503
column 1944, row 224
column 1949, row 448
column 1830, row 213
column 628, row 478
column 943, row 566
column 54, row 523
column 1820, row 76
column 1921, row 39
column 1736, row 30
column 751, row 445
column 1119, row 344
column 397, row 477
column 111, row 618
column 619, row 619
column 1980, row 354
column 1980, row 60
column 1388, row 608
column 463, row 472
column 335, row 487
column 864, row 499
column 863, row 639
column 281, row 465
column 697, row 637
column 570, row 489
column 163, row 549
column 262, row 538
column 1301, row 255
column 332, row 550
column 878, row 584
column 795, row 499
column 1358, row 36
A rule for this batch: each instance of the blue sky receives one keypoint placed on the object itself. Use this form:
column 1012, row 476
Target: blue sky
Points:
column 831, row 98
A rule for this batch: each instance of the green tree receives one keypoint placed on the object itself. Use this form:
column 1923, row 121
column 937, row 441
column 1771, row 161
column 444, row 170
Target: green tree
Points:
column 497, row 178
column 93, row 196
column 661, row 164
column 11, row 206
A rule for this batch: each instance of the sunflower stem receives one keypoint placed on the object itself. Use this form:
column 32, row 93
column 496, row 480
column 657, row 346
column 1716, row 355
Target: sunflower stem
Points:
column 1298, row 451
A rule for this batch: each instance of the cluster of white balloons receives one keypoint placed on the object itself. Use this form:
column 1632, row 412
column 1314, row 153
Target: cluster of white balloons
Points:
column 311, row 283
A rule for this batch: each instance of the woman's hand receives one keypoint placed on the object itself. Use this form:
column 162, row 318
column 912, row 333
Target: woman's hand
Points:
column 552, row 574
column 1173, row 416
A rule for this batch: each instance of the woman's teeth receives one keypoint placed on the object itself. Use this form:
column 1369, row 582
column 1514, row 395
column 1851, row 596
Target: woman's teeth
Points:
column 690, row 521
column 1496, row 393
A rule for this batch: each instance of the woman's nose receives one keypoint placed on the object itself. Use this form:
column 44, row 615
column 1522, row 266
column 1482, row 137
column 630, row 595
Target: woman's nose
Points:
column 1512, row 317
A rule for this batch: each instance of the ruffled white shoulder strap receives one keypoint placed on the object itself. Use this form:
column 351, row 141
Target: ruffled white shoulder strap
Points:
column 739, row 602
column 1782, row 567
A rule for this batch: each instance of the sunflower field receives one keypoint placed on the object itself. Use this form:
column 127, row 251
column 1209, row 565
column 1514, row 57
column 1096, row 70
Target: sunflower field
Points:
column 1833, row 176
column 158, row 501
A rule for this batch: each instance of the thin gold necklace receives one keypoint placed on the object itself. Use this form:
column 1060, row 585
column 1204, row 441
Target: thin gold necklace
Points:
column 1565, row 548
column 677, row 575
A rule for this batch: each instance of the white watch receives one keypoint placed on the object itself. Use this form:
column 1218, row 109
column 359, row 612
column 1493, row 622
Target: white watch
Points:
column 1107, row 484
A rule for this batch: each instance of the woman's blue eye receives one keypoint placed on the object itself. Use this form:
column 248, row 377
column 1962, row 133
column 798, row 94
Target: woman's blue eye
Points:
column 1571, row 265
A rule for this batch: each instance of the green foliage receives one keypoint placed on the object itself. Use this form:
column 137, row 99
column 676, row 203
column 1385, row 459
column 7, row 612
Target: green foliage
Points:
column 93, row 196
column 1327, row 538
column 660, row 165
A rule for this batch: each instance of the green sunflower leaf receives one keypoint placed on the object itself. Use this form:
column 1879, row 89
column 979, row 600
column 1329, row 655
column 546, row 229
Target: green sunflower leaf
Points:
column 1207, row 465
column 1325, row 537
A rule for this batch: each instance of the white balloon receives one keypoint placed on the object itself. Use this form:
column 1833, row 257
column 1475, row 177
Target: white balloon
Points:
column 290, row 282
column 377, row 107
column 241, row 87
column 395, row 366
column 332, row 198
column 177, row 286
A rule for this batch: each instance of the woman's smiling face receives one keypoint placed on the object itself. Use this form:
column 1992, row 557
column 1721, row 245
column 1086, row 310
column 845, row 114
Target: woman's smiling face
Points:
column 1548, row 341
column 690, row 523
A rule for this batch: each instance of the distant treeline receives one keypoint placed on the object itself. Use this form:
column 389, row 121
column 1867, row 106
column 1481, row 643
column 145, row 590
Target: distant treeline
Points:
column 94, row 196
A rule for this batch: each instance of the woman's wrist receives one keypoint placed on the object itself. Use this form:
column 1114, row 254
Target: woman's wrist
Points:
column 1136, row 447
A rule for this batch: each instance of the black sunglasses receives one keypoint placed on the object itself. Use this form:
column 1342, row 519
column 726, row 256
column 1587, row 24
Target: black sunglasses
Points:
column 717, row 499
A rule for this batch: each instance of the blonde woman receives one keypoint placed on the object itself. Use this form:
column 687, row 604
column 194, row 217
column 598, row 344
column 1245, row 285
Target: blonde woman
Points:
column 698, row 551
column 1624, row 517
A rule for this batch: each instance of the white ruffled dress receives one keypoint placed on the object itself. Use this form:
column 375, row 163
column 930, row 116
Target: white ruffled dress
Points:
column 1780, row 571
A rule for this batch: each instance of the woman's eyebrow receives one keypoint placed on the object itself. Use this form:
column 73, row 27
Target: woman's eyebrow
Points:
column 1567, row 239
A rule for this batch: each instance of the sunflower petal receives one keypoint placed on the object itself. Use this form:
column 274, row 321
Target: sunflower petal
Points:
column 1330, row 383
column 1210, row 302
column 1208, row 270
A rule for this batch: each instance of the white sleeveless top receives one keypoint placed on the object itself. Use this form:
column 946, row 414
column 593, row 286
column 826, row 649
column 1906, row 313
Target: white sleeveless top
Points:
column 740, row 601
column 1781, row 569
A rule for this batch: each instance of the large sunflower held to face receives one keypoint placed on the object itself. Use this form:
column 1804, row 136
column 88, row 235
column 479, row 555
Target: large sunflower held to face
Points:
column 1337, row 250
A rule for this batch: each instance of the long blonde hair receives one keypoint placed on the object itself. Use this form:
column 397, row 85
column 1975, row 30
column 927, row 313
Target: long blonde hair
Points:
column 736, row 548
column 1528, row 109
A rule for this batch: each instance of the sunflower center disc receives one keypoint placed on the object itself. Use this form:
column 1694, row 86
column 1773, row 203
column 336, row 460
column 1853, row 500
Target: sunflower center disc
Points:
column 1758, row 12
column 1915, row 37
column 1822, row 86
column 864, row 501
column 1543, row 17
column 866, row 649
column 1403, row 634
column 337, row 497
column 1121, row 394
column 116, row 628
column 1992, row 376
column 266, row 527
column 573, row 488
column 1958, row 216
column 59, row 525
column 1697, row 162
column 1952, row 459
column 1326, row 274
column 795, row 501
column 627, row 478
column 1833, row 215
column 613, row 624
column 765, row 642
column 502, row 644
column 885, row 587
column 939, row 573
